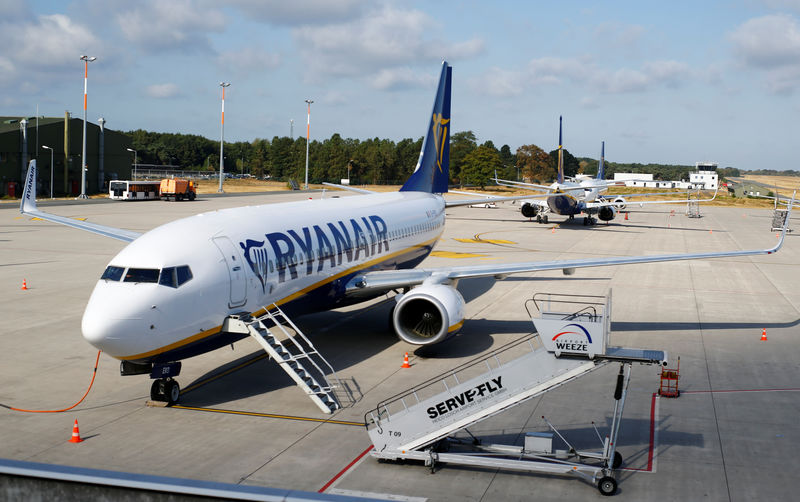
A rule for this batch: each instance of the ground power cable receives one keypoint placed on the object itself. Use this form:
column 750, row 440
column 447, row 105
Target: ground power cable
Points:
column 94, row 374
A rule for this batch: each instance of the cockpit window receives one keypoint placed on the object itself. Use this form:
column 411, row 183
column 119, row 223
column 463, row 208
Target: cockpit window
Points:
column 141, row 275
column 113, row 273
column 184, row 274
column 175, row 276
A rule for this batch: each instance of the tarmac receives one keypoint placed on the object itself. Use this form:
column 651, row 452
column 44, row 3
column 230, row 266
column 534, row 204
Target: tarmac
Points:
column 732, row 435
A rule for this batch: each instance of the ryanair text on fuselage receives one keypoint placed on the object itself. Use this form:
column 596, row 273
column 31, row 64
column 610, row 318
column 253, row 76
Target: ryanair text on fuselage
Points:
column 336, row 242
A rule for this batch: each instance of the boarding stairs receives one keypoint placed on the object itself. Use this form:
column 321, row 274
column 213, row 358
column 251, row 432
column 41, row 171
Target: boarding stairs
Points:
column 295, row 354
column 569, row 345
column 778, row 219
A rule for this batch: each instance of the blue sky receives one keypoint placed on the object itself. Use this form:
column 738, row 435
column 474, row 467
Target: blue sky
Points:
column 665, row 82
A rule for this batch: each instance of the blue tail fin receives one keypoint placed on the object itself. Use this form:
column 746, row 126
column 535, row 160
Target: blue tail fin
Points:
column 560, row 177
column 432, row 173
column 601, row 169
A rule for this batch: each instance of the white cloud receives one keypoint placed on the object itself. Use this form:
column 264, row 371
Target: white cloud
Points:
column 300, row 12
column 177, row 24
column 771, row 44
column 162, row 91
column 243, row 62
column 42, row 49
column 382, row 38
column 583, row 73
column 499, row 82
column 618, row 35
column 768, row 41
column 401, row 78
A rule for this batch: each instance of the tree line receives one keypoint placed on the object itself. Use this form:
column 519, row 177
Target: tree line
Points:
column 380, row 161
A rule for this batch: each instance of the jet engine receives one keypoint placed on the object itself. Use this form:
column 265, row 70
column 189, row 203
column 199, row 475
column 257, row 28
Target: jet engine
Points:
column 607, row 213
column 529, row 210
column 428, row 314
column 620, row 200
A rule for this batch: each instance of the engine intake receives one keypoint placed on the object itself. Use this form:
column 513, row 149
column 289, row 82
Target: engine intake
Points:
column 620, row 200
column 529, row 210
column 607, row 213
column 429, row 314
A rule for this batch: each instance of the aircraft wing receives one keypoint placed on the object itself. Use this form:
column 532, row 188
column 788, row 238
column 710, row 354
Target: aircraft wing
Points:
column 521, row 184
column 392, row 279
column 484, row 198
column 28, row 206
column 643, row 202
column 348, row 187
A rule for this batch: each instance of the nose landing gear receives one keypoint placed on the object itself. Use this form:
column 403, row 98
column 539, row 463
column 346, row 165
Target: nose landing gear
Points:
column 165, row 390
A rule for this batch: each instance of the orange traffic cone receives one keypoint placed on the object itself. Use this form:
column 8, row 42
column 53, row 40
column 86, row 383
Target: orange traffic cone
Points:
column 626, row 216
column 710, row 231
column 76, row 434
column 405, row 361
column 764, row 335
column 24, row 285
column 553, row 230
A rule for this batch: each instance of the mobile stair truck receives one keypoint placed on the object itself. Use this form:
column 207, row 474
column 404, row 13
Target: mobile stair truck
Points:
column 572, row 341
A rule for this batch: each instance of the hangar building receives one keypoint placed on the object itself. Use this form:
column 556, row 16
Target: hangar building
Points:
column 107, row 157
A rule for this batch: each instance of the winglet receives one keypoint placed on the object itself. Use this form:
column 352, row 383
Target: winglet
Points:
column 560, row 177
column 432, row 173
column 785, row 225
column 28, row 202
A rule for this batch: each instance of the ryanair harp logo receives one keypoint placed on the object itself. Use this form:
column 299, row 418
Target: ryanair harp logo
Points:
column 439, row 129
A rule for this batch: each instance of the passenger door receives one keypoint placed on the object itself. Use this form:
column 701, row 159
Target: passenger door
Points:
column 238, row 283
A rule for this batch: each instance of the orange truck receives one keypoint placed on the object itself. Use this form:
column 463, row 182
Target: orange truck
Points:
column 178, row 189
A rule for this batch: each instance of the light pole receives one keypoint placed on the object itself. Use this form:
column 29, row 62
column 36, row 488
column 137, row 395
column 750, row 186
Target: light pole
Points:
column 51, row 169
column 134, row 161
column 222, row 137
column 86, row 60
column 308, row 136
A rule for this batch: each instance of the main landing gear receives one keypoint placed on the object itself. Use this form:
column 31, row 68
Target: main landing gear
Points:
column 541, row 219
column 165, row 390
column 588, row 220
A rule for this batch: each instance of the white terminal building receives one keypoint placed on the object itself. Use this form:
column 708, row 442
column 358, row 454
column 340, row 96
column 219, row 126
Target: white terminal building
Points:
column 704, row 177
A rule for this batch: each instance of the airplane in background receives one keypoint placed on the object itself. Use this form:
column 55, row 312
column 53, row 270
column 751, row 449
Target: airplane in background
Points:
column 580, row 195
column 167, row 295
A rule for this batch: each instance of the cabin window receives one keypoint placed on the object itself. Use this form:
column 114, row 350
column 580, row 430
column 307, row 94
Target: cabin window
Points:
column 113, row 273
column 142, row 275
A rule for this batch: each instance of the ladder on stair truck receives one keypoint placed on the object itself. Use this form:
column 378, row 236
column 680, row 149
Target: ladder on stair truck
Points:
column 418, row 424
column 294, row 354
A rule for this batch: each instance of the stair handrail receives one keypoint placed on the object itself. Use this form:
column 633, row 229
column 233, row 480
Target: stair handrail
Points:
column 298, row 332
column 412, row 391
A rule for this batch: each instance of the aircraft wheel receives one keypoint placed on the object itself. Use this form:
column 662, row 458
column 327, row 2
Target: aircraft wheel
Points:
column 617, row 460
column 172, row 392
column 544, row 219
column 156, row 391
column 607, row 486
column 585, row 221
column 538, row 218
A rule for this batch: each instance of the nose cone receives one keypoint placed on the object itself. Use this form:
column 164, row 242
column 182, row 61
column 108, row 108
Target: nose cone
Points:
column 114, row 321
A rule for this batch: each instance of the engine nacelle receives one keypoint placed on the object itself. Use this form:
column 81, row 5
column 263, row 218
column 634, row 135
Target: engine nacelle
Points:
column 607, row 213
column 529, row 210
column 622, row 201
column 428, row 314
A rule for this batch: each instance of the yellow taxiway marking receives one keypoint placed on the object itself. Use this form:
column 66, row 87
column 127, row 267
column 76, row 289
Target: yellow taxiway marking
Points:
column 486, row 241
column 452, row 254
column 268, row 415
column 40, row 219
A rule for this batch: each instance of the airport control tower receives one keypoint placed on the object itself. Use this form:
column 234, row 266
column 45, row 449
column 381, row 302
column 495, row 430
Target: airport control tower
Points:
column 705, row 176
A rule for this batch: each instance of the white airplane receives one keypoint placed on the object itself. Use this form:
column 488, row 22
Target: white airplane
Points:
column 582, row 194
column 165, row 297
